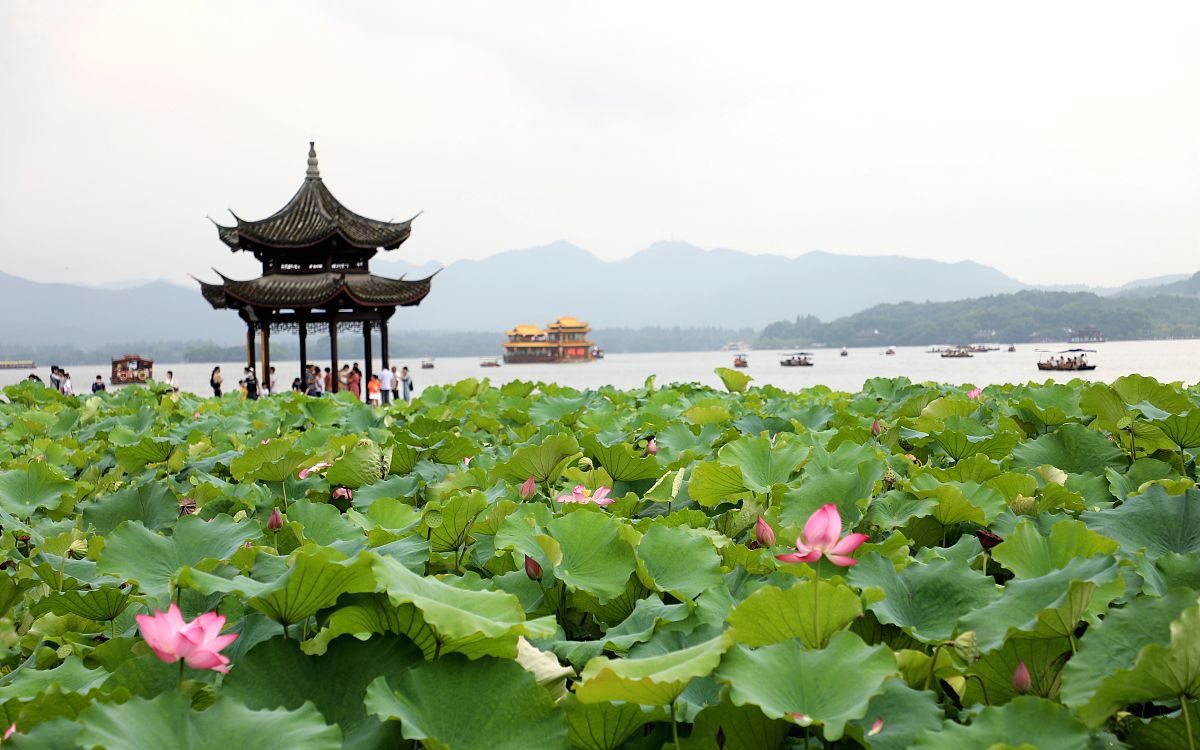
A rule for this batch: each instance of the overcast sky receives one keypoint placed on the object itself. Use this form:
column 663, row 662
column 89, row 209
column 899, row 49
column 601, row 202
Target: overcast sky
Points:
column 1056, row 141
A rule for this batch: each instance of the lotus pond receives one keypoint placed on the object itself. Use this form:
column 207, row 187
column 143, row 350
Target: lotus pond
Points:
column 536, row 567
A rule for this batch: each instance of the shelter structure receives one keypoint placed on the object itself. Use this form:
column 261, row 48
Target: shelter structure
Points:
column 316, row 275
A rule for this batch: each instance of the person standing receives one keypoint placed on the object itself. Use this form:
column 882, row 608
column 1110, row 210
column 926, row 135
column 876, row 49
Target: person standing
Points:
column 271, row 382
column 354, row 383
column 214, row 380
column 55, row 377
column 169, row 381
column 406, row 383
column 395, row 384
column 251, row 383
column 373, row 390
column 385, row 384
column 328, row 380
column 67, row 388
column 343, row 377
column 98, row 385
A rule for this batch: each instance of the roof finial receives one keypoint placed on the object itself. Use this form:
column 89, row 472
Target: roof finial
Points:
column 313, row 173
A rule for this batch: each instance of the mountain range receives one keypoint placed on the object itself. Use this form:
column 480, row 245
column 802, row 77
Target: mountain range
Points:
column 667, row 284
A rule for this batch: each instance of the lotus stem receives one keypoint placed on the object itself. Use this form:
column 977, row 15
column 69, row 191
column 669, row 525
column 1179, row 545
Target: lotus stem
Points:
column 1187, row 722
column 932, row 666
column 982, row 688
column 181, row 675
column 817, row 604
column 675, row 728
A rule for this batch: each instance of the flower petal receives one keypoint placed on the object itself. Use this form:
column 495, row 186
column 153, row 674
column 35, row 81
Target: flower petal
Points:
column 823, row 527
column 848, row 544
column 845, row 562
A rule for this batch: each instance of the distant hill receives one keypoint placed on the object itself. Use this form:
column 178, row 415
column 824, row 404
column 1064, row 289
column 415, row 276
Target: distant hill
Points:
column 1020, row 317
column 1185, row 286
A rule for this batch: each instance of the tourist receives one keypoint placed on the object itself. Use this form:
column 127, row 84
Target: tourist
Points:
column 385, row 384
column 314, row 381
column 98, row 385
column 395, row 384
column 297, row 386
column 56, row 377
column 169, row 381
column 328, row 380
column 214, row 381
column 67, row 388
column 406, row 383
column 33, row 377
column 250, row 384
column 271, row 382
column 242, row 389
column 343, row 377
column 354, row 383
column 373, row 390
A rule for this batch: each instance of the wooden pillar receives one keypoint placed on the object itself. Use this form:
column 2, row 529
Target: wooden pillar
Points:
column 333, row 363
column 265, row 378
column 383, row 343
column 303, row 355
column 249, row 344
column 367, row 354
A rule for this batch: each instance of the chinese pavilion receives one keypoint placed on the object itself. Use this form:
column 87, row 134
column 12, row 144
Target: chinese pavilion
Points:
column 315, row 256
column 564, row 340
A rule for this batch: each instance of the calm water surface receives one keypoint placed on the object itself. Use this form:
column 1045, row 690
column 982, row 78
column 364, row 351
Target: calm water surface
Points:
column 1165, row 360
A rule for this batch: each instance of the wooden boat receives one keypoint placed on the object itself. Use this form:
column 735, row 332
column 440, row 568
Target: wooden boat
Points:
column 844, row 353
column 17, row 364
column 796, row 359
column 740, row 360
column 489, row 362
column 1012, row 347
column 960, row 352
column 597, row 353
column 131, row 368
column 890, row 351
column 1075, row 362
column 427, row 364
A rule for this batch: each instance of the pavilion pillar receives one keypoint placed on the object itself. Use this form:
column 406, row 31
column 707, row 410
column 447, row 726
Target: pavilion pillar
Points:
column 304, row 356
column 266, row 357
column 333, row 363
column 249, row 343
column 383, row 344
column 367, row 354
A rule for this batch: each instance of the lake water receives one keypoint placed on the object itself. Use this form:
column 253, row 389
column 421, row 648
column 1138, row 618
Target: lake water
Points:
column 1165, row 360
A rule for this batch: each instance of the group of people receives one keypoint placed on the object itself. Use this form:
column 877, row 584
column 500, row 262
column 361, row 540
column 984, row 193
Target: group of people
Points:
column 60, row 380
column 381, row 388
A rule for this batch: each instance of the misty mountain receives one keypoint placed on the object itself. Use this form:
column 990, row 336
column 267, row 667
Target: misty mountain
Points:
column 1184, row 286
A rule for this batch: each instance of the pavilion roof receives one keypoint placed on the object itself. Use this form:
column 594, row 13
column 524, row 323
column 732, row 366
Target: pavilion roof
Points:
column 314, row 215
column 315, row 290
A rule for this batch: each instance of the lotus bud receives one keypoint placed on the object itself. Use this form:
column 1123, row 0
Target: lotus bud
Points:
column 763, row 533
column 528, row 488
column 343, row 493
column 876, row 728
column 964, row 646
column 12, row 729
column 1021, row 680
column 532, row 569
column 467, row 461
column 1023, row 505
column 275, row 522
column 987, row 539
column 974, row 393
column 651, row 447
column 802, row 719
column 585, row 464
column 876, row 428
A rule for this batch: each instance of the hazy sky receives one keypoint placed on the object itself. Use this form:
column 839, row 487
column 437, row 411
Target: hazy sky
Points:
column 1056, row 141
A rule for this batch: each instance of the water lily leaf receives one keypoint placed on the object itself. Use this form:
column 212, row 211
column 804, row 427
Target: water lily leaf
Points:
column 925, row 599
column 169, row 721
column 23, row 491
column 1115, row 655
column 1029, row 554
column 621, row 461
column 1073, row 448
column 713, row 483
column 315, row 579
column 545, row 462
column 785, row 678
column 680, row 562
column 606, row 726
column 762, row 463
column 734, row 381
column 771, row 615
column 518, row 713
column 132, row 552
column 588, row 553
column 277, row 674
column 1025, row 721
column 1154, row 522
column 652, row 681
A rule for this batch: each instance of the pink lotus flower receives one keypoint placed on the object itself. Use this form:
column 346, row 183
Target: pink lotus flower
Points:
column 194, row 416
column 876, row 428
column 1021, row 681
column 467, row 460
column 876, row 728
column 275, row 522
column 314, row 468
column 974, row 393
column 651, row 447
column 263, row 442
column 533, row 569
column 820, row 538
column 803, row 720
column 197, row 642
column 583, row 495
column 528, row 488
column 763, row 533
column 344, row 493
column 12, row 729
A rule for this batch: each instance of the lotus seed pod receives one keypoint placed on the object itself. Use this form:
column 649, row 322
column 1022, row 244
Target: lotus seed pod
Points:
column 1023, row 505
column 964, row 646
column 889, row 477
column 585, row 464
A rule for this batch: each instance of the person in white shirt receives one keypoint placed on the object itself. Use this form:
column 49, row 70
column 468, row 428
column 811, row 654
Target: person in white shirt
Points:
column 67, row 388
column 386, row 384
column 171, row 381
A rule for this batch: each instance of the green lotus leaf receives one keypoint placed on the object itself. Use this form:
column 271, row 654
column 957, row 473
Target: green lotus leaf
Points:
column 712, row 483
column 734, row 381
column 621, row 461
column 455, row 515
column 959, row 502
column 273, row 461
column 152, row 504
column 1153, row 522
column 545, row 462
column 1145, row 392
column 733, row 727
column 23, row 491
column 905, row 713
column 848, row 488
column 277, row 674
column 27, row 681
column 637, row 628
column 941, row 408
column 895, row 508
column 517, row 714
column 772, row 615
column 364, row 615
column 707, row 415
column 1029, row 554
column 102, row 604
column 315, row 578
column 925, row 599
column 1115, row 655
column 1026, row 721
column 169, row 721
column 588, row 553
column 1102, row 402
column 1182, row 429
column 1048, row 606
column 363, row 464
column 680, row 561
column 606, row 726
column 1073, row 448
column 1143, row 470
column 1043, row 658
column 653, row 680
column 785, row 678
column 132, row 552
column 1168, row 732
column 763, row 464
